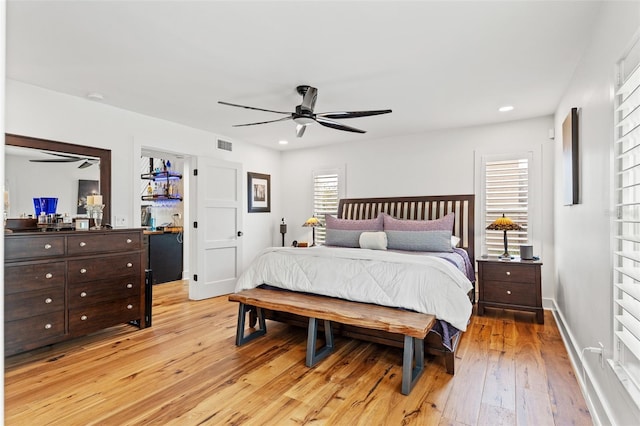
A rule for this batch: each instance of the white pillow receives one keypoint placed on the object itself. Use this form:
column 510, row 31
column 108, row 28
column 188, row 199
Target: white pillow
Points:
column 454, row 241
column 373, row 240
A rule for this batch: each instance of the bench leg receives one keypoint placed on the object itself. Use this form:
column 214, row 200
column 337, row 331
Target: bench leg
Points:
column 241, row 339
column 313, row 354
column 413, row 351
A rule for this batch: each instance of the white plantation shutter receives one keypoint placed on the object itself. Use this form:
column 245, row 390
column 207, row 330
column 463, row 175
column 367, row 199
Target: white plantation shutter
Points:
column 626, row 244
column 506, row 192
column 326, row 195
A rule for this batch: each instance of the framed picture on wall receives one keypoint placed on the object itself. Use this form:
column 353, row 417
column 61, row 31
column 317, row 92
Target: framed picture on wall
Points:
column 86, row 187
column 259, row 192
column 571, row 158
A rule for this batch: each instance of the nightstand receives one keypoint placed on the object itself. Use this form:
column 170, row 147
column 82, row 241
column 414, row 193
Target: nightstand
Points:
column 510, row 284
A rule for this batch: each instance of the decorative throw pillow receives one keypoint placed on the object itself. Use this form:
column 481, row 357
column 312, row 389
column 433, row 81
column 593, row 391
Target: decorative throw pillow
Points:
column 419, row 235
column 373, row 240
column 346, row 232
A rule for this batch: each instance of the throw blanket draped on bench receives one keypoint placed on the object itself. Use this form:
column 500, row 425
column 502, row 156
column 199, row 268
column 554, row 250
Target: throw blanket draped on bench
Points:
column 425, row 284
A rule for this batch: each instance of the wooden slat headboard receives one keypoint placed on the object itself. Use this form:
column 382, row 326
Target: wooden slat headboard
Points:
column 418, row 208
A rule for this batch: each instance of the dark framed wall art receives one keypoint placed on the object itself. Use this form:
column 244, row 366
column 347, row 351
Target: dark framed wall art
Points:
column 571, row 158
column 259, row 192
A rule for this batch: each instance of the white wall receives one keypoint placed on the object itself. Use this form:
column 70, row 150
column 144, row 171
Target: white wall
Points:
column 434, row 163
column 33, row 111
column 584, row 291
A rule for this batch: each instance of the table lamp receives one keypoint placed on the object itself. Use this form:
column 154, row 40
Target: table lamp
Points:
column 505, row 224
column 313, row 222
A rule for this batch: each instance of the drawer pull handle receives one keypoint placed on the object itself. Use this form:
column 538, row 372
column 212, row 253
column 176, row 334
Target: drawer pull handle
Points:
column 49, row 275
column 83, row 318
column 83, row 294
column 508, row 291
column 129, row 265
column 129, row 306
column 82, row 244
column 129, row 285
column 508, row 273
column 48, row 300
column 47, row 246
column 129, row 240
column 83, row 271
column 47, row 326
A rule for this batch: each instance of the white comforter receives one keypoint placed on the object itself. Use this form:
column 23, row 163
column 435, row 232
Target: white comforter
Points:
column 421, row 283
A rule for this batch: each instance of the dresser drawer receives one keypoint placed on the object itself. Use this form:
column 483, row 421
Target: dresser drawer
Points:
column 17, row 248
column 84, row 294
column 510, row 272
column 32, row 303
column 108, row 242
column 33, row 329
column 36, row 276
column 104, row 267
column 509, row 293
column 85, row 320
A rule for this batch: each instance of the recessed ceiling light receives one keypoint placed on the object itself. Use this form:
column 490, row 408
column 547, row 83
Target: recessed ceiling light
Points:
column 95, row 96
column 506, row 108
column 283, row 142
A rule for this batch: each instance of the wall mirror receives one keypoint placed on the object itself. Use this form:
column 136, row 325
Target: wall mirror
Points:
column 44, row 168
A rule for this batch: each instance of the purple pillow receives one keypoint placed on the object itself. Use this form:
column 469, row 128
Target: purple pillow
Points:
column 346, row 232
column 419, row 235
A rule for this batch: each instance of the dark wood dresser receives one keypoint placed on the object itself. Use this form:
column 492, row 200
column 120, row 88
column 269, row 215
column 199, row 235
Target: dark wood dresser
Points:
column 510, row 284
column 60, row 285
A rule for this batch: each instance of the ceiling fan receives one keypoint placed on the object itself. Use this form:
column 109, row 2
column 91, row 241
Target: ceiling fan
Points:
column 304, row 115
column 66, row 158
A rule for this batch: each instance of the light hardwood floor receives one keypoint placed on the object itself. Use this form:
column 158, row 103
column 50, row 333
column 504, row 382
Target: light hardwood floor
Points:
column 186, row 370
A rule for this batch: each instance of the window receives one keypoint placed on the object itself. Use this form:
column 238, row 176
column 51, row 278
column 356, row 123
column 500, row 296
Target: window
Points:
column 326, row 196
column 626, row 243
column 506, row 191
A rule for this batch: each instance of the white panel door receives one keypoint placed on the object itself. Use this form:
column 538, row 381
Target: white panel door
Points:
column 217, row 240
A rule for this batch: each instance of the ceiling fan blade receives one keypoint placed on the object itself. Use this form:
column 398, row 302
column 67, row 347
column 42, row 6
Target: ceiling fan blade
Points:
column 85, row 165
column 263, row 122
column 57, row 160
column 339, row 126
column 254, row 108
column 352, row 114
column 309, row 96
column 300, row 128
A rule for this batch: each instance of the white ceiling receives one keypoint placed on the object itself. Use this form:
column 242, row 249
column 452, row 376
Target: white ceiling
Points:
column 435, row 64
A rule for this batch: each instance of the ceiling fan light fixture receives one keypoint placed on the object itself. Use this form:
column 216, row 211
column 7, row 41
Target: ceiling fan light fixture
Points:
column 303, row 121
column 283, row 142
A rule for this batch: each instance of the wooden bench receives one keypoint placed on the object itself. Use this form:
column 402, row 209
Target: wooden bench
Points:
column 413, row 325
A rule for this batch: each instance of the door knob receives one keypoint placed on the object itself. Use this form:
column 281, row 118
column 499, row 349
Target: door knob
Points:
column 239, row 233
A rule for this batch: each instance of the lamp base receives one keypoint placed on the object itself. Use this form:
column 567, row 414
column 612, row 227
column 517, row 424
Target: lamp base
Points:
column 505, row 256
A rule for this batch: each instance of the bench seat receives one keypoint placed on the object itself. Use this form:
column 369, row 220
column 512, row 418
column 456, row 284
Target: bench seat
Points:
column 413, row 326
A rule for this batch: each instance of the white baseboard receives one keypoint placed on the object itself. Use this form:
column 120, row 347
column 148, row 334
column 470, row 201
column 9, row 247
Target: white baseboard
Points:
column 574, row 355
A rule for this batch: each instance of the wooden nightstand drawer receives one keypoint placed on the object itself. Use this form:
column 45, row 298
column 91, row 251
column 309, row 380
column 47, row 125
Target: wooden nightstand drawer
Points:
column 510, row 293
column 510, row 272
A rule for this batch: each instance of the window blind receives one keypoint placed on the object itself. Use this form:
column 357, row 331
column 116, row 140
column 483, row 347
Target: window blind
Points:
column 626, row 255
column 325, row 199
column 506, row 192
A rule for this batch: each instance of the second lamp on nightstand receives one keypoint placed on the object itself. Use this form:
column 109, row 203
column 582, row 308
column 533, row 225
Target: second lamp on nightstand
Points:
column 513, row 284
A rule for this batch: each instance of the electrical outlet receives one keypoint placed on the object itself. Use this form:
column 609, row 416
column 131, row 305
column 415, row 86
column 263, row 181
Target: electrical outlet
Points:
column 601, row 354
column 121, row 221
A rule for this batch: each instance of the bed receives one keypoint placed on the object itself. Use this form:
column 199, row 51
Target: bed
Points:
column 444, row 338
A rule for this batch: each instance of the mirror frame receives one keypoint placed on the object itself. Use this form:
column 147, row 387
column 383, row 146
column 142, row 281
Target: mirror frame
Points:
column 68, row 148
